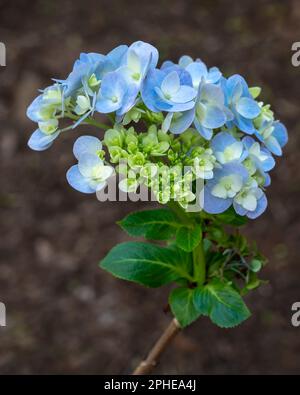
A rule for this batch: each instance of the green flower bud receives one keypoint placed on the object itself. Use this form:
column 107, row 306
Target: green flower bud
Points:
column 255, row 91
column 133, row 115
column 93, row 82
column 132, row 148
column 175, row 145
column 101, row 154
column 148, row 171
column 155, row 117
column 49, row 127
column 131, row 139
column 136, row 161
column 47, row 112
column 163, row 197
column 82, row 104
column 259, row 178
column 116, row 154
column 172, row 156
column 160, row 148
column 113, row 138
column 149, row 141
column 53, row 95
column 128, row 185
column 164, row 136
column 266, row 115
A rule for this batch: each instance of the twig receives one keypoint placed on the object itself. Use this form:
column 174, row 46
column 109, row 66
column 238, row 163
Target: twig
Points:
column 146, row 366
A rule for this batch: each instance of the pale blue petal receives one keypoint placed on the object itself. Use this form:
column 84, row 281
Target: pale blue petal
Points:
column 86, row 145
column 39, row 141
column 246, row 125
column 267, row 180
column 240, row 210
column 78, row 181
column 269, row 163
column 90, row 57
column 86, row 164
column 184, row 76
column 205, row 133
column 33, row 110
column 180, row 124
column 273, row 145
column 113, row 84
column 214, row 75
column 280, row 133
column 166, row 64
column 177, row 107
column 221, row 141
column 129, row 99
column 229, row 114
column 262, row 204
column 167, row 122
column 248, row 142
column 234, row 88
column 214, row 117
column 116, row 56
column 146, row 52
column 197, row 70
column 171, row 83
column 214, row 205
column 106, row 106
column 213, row 94
column 237, row 87
column 184, row 94
column 248, row 108
column 184, row 61
column 149, row 96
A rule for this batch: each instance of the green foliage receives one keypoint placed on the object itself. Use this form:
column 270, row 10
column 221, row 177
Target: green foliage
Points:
column 187, row 238
column 230, row 217
column 181, row 301
column 221, row 303
column 212, row 266
column 146, row 264
column 158, row 224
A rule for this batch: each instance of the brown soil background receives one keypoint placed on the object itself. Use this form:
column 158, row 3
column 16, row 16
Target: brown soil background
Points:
column 64, row 314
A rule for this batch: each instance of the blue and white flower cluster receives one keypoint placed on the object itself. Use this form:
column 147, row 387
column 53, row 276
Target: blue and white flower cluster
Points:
column 237, row 134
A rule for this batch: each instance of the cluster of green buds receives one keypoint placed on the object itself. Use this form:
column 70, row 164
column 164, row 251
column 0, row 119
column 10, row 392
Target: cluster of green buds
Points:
column 166, row 164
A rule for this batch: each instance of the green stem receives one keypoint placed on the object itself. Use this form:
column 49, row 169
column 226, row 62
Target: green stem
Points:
column 199, row 264
column 88, row 121
column 100, row 125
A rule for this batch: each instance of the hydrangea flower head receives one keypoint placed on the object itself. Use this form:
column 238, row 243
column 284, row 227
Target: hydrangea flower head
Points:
column 174, row 125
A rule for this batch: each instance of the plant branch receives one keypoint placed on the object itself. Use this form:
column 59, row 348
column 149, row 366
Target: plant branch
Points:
column 199, row 264
column 146, row 366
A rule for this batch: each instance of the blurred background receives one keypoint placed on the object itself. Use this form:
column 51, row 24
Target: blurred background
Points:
column 64, row 314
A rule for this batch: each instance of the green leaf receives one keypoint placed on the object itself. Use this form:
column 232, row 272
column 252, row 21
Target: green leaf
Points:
column 230, row 217
column 221, row 303
column 188, row 238
column 158, row 224
column 182, row 305
column 146, row 264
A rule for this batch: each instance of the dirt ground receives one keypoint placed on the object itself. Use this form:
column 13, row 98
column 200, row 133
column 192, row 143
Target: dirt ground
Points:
column 65, row 315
